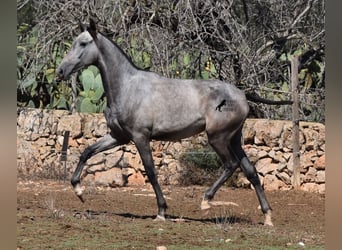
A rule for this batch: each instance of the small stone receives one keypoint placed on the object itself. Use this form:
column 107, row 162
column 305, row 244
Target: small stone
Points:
column 301, row 244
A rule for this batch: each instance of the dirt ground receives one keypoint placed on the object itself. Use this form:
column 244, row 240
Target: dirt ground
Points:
column 50, row 216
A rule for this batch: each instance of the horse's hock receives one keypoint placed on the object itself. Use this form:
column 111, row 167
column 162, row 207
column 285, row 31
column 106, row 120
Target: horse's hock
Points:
column 268, row 143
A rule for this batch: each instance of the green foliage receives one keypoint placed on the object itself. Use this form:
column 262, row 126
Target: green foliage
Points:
column 311, row 84
column 26, row 80
column 139, row 56
column 166, row 38
column 61, row 96
column 202, row 157
column 90, row 98
column 190, row 65
column 32, row 78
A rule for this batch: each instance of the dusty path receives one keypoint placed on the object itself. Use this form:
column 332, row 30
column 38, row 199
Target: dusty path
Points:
column 50, row 216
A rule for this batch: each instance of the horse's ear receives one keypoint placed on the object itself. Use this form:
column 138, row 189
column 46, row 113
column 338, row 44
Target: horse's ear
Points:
column 81, row 25
column 92, row 28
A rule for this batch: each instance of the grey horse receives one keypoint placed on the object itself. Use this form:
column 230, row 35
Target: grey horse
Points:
column 144, row 106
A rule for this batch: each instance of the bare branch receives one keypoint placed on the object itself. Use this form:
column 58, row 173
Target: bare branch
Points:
column 300, row 15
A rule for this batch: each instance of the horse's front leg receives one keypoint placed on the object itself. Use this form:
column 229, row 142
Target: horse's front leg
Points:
column 103, row 144
column 143, row 146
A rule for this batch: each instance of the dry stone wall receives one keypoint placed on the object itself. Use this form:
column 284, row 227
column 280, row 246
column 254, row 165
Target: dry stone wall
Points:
column 268, row 143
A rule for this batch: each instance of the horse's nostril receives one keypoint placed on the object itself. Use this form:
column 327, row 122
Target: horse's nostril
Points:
column 59, row 73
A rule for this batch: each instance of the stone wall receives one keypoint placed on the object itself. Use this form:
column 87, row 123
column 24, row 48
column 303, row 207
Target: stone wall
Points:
column 268, row 144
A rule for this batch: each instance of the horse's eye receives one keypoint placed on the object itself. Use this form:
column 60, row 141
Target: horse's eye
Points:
column 83, row 44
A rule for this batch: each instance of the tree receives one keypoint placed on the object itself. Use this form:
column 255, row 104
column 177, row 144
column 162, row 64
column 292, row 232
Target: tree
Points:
column 247, row 43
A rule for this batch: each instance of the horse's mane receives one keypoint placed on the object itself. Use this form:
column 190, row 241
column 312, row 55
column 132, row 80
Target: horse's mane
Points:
column 121, row 51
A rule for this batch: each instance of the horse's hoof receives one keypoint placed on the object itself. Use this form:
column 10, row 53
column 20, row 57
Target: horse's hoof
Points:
column 268, row 220
column 268, row 224
column 205, row 205
column 159, row 218
column 79, row 191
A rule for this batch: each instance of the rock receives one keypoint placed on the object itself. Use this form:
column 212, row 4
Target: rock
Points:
column 271, row 182
column 267, row 132
column 307, row 158
column 286, row 140
column 320, row 163
column 276, row 156
column 112, row 177
column 252, row 153
column 321, row 188
column 248, row 131
column 310, row 175
column 320, row 177
column 271, row 154
column 157, row 161
column 116, row 159
column 51, row 142
column 40, row 138
column 177, row 146
column 262, row 154
column 41, row 142
column 134, row 161
column 311, row 139
column 131, row 148
column 284, row 177
column 281, row 167
column 96, row 160
column 136, row 179
column 161, row 248
column 265, row 166
column 167, row 160
column 287, row 155
column 88, row 126
column 310, row 187
column 72, row 142
column 71, row 123
column 242, row 181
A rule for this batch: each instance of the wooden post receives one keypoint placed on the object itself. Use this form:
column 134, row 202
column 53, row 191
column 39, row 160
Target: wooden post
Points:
column 295, row 120
column 65, row 150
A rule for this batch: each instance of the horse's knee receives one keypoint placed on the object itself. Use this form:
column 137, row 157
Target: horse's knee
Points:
column 250, row 171
column 85, row 155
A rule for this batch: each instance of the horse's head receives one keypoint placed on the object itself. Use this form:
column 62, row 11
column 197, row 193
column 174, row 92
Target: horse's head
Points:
column 83, row 52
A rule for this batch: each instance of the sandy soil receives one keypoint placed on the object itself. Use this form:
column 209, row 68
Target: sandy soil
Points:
column 50, row 216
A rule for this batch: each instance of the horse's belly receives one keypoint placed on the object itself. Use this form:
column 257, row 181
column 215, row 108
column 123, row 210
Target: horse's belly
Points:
column 177, row 132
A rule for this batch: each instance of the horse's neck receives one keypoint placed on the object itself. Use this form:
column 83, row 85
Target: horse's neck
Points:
column 115, row 69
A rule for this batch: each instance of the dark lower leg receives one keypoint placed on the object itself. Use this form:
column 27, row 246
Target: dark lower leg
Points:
column 105, row 143
column 253, row 177
column 251, row 173
column 219, row 144
column 162, row 206
column 210, row 193
column 144, row 149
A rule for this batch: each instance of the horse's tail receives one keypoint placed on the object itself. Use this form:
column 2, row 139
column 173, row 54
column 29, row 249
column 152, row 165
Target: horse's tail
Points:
column 256, row 98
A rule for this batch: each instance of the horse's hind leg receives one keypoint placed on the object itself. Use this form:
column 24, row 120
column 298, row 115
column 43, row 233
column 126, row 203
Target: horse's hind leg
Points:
column 230, row 164
column 103, row 144
column 250, row 171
